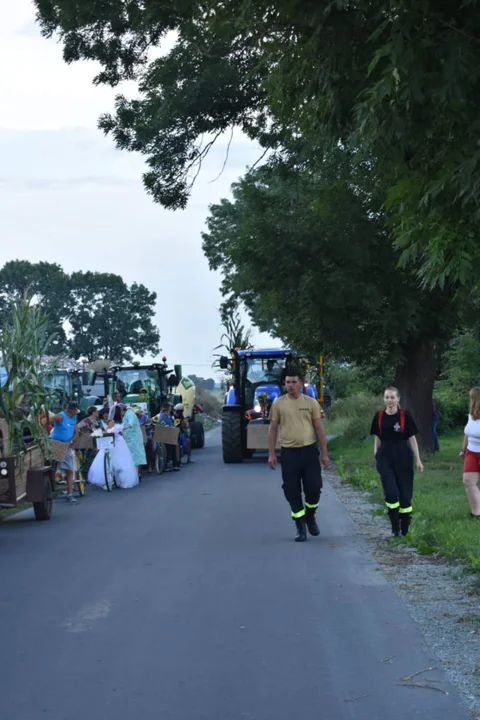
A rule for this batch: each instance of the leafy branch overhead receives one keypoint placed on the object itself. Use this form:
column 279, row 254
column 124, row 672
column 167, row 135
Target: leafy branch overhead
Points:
column 307, row 252
column 399, row 83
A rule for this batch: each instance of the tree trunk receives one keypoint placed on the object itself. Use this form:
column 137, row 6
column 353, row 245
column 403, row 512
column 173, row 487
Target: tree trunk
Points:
column 415, row 378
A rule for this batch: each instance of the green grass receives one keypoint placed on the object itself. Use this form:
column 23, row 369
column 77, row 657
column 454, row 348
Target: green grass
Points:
column 7, row 512
column 441, row 522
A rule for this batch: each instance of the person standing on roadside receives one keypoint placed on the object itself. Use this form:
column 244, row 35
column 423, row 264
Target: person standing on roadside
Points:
column 65, row 431
column 470, row 452
column 395, row 447
column 300, row 422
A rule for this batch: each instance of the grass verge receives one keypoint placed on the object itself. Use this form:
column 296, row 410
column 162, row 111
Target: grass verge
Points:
column 7, row 512
column 441, row 522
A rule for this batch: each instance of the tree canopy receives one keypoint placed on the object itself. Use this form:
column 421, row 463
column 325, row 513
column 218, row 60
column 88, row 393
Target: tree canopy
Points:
column 399, row 82
column 93, row 315
column 309, row 256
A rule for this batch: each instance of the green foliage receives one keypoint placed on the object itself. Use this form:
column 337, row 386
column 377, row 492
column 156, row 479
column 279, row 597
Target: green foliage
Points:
column 452, row 406
column 308, row 254
column 460, row 372
column 24, row 340
column 284, row 225
column 355, row 413
column 47, row 285
column 107, row 318
column 441, row 516
column 235, row 335
column 111, row 319
column 400, row 82
column 461, row 362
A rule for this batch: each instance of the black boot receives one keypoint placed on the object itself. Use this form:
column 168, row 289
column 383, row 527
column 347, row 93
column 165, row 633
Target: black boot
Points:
column 311, row 523
column 394, row 516
column 405, row 520
column 301, row 535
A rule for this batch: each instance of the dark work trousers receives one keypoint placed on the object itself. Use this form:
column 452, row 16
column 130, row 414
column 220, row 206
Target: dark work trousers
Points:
column 301, row 466
column 394, row 462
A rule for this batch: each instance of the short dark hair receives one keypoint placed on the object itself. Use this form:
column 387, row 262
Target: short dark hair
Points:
column 91, row 410
column 293, row 371
column 166, row 405
column 72, row 405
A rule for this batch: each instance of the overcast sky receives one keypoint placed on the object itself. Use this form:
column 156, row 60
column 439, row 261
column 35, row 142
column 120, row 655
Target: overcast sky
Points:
column 68, row 196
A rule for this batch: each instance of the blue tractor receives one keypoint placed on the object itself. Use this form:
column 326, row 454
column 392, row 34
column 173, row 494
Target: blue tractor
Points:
column 257, row 378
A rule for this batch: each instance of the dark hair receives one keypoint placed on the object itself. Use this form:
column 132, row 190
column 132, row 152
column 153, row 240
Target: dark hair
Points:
column 72, row 405
column 166, row 406
column 91, row 410
column 117, row 415
column 293, row 371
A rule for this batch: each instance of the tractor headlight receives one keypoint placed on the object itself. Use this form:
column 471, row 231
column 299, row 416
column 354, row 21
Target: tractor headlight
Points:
column 257, row 408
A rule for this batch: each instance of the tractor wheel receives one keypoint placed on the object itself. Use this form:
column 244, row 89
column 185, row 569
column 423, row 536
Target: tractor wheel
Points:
column 232, row 437
column 197, row 435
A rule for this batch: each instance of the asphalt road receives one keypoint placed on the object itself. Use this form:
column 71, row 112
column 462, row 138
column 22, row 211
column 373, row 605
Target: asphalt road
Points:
column 187, row 599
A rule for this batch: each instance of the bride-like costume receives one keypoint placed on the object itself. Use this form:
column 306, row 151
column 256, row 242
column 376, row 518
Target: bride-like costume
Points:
column 125, row 472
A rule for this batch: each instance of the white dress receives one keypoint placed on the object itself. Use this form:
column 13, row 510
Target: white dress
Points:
column 126, row 475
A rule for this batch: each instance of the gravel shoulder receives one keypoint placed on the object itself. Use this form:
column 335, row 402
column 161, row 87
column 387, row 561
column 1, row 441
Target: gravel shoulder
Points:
column 442, row 600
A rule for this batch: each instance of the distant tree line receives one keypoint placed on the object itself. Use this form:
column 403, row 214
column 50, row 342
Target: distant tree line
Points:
column 91, row 314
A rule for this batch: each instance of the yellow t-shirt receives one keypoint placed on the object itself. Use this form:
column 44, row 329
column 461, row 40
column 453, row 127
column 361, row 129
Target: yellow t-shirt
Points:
column 295, row 417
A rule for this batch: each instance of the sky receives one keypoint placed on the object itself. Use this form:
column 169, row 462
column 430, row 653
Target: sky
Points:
column 67, row 195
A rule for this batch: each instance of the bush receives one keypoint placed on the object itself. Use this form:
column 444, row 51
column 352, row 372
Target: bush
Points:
column 452, row 406
column 356, row 413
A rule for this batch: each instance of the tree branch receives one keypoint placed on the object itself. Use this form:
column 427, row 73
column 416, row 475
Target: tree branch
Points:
column 226, row 157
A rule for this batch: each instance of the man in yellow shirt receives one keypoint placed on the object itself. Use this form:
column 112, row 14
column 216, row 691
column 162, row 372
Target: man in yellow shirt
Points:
column 300, row 424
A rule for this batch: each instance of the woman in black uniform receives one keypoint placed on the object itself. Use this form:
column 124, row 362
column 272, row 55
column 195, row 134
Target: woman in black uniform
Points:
column 395, row 447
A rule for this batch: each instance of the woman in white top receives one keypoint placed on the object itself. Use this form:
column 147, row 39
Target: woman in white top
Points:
column 471, row 453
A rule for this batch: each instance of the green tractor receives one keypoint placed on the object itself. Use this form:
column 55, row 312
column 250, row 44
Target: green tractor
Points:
column 69, row 384
column 147, row 386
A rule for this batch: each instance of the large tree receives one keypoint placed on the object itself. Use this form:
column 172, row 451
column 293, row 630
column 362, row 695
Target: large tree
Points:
column 92, row 315
column 401, row 80
column 111, row 320
column 47, row 285
column 309, row 256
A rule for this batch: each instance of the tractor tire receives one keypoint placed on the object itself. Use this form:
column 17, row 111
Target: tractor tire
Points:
column 232, row 437
column 197, row 435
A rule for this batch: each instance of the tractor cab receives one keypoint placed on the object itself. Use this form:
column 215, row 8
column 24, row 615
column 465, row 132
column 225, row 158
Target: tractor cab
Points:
column 145, row 386
column 257, row 379
column 148, row 386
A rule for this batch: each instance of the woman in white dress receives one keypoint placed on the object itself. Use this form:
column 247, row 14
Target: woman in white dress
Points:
column 125, row 472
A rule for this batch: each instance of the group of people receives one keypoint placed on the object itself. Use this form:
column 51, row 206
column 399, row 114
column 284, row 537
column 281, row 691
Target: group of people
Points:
column 130, row 451
column 303, row 444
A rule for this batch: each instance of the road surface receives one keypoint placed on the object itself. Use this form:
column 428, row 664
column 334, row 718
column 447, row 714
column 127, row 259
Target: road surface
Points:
column 187, row 599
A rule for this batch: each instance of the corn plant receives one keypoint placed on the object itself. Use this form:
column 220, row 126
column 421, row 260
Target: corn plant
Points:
column 24, row 340
column 235, row 335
